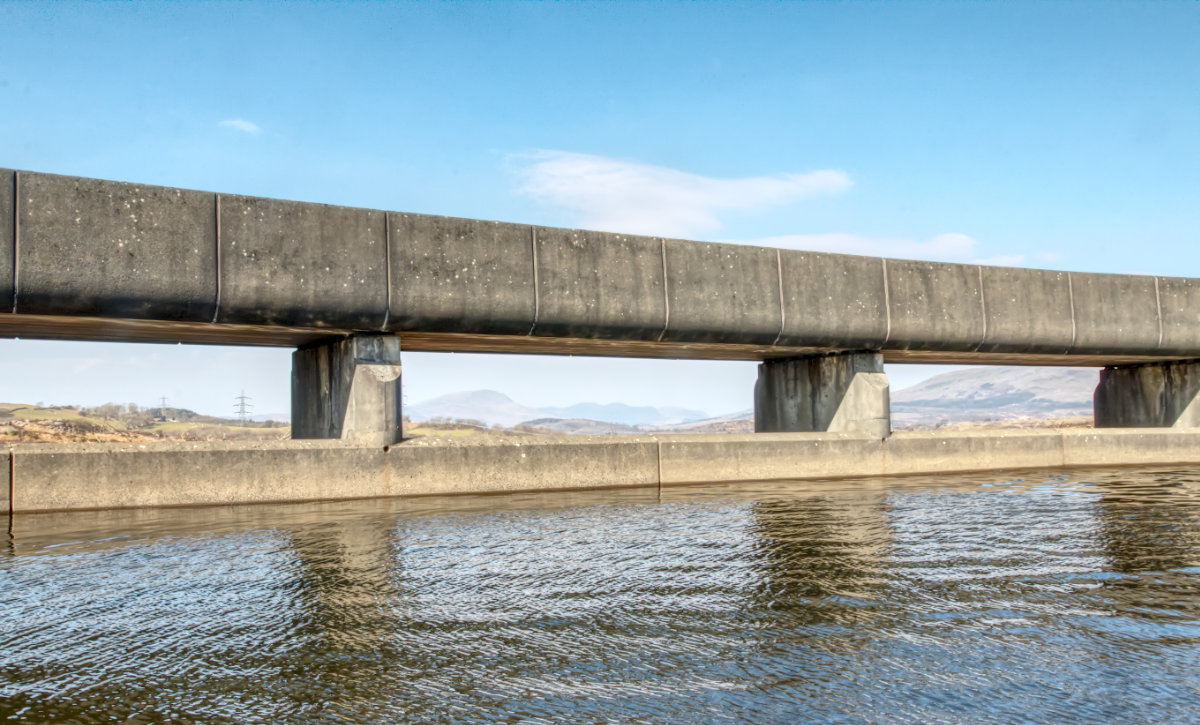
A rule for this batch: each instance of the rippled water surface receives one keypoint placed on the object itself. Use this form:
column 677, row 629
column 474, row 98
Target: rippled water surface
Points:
column 1042, row 597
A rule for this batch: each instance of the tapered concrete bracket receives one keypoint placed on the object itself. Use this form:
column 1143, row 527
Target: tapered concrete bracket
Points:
column 1158, row 395
column 348, row 388
column 840, row 393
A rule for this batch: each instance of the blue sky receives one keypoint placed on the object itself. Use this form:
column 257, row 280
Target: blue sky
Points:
column 1055, row 135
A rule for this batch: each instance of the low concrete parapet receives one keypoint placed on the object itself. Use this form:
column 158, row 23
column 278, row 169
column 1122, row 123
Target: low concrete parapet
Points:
column 59, row 477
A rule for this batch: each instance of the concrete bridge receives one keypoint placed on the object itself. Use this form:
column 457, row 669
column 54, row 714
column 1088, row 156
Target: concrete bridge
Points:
column 100, row 260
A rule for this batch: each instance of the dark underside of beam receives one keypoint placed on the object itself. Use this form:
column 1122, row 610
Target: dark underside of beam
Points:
column 38, row 327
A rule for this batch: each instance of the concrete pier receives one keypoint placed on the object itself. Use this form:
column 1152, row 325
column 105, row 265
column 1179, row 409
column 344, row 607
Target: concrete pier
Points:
column 1160, row 395
column 348, row 389
column 841, row 393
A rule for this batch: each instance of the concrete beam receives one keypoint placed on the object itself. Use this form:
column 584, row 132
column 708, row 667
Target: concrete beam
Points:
column 722, row 293
column 846, row 393
column 460, row 275
column 8, row 237
column 934, row 306
column 1160, row 395
column 107, row 249
column 597, row 285
column 348, row 389
column 310, row 265
column 1115, row 312
column 833, row 301
column 1179, row 310
column 1026, row 311
column 91, row 259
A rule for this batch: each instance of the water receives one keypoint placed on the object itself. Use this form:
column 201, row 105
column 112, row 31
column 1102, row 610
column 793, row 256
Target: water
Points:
column 1064, row 597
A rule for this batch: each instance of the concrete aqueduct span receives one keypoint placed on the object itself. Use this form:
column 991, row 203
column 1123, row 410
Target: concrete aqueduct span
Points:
column 101, row 260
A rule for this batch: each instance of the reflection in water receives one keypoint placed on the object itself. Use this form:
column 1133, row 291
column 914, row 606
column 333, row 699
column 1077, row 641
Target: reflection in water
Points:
column 1064, row 597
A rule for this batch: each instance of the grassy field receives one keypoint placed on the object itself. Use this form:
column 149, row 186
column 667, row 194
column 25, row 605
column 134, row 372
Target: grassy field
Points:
column 23, row 423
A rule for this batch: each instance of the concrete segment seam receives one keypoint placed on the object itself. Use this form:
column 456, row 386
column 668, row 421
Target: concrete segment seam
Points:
column 887, row 304
column 1158, row 305
column 217, row 258
column 782, row 309
column 660, row 481
column 982, row 309
column 662, row 253
column 536, row 297
column 387, row 269
column 1071, row 299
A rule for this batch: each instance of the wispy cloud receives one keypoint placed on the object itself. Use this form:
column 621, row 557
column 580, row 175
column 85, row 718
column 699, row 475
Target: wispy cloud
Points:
column 241, row 125
column 1002, row 260
column 628, row 196
column 950, row 247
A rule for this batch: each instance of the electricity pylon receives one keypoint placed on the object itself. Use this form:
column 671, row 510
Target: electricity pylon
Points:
column 242, row 406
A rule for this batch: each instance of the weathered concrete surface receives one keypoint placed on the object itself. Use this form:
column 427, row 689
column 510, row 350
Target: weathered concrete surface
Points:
column 1127, row 447
column 96, row 476
column 833, row 300
column 1179, row 305
column 1149, row 396
column 1026, row 310
column 116, row 261
column 934, row 305
column 8, row 232
column 105, row 249
column 933, row 451
column 844, row 393
column 1115, row 312
column 460, row 275
column 722, row 293
column 348, row 389
column 592, row 284
column 311, row 265
column 421, row 467
column 766, row 456
column 6, row 481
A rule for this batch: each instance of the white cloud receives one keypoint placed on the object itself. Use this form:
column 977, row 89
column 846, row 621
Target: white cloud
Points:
column 948, row 247
column 241, row 125
column 1002, row 260
column 636, row 198
column 628, row 196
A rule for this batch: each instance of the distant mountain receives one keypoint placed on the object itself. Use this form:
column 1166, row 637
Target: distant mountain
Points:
column 626, row 414
column 976, row 394
column 581, row 426
column 996, row 393
column 487, row 406
column 720, row 422
column 494, row 408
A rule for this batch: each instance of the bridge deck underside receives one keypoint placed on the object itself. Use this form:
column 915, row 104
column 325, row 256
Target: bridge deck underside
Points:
column 45, row 327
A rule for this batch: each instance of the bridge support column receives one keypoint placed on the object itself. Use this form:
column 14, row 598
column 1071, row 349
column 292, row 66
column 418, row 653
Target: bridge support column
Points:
column 348, row 388
column 1156, row 395
column 840, row 393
